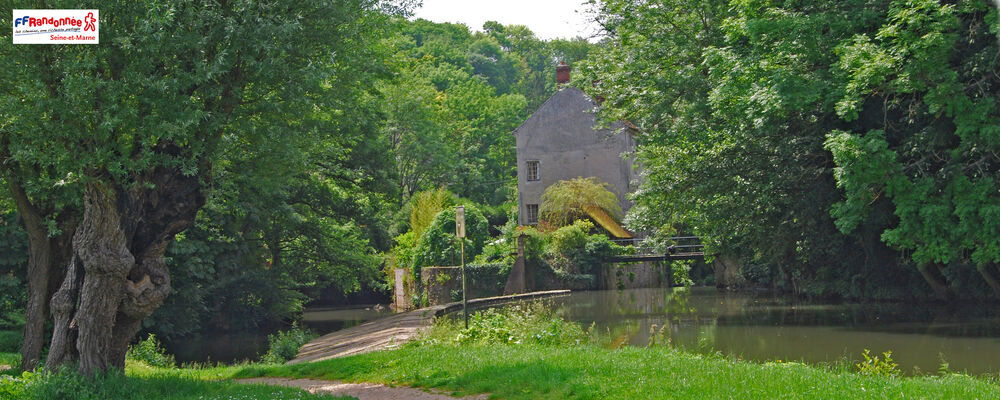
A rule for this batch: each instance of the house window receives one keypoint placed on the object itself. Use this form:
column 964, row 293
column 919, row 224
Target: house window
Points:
column 533, row 170
column 532, row 214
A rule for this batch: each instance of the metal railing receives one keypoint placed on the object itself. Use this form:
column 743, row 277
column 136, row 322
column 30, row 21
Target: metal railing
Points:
column 668, row 246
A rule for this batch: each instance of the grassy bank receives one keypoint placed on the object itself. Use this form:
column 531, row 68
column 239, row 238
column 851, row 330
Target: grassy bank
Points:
column 141, row 381
column 520, row 354
column 527, row 353
column 587, row 372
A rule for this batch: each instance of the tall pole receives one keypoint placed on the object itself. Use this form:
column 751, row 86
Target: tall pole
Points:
column 460, row 234
column 465, row 297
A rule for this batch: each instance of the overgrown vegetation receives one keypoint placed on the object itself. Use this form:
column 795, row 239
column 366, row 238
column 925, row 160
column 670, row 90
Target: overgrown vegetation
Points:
column 574, row 249
column 284, row 345
column 518, row 324
column 150, row 351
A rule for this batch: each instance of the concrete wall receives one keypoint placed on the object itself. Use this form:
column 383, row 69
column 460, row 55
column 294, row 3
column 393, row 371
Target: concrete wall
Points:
column 634, row 276
column 438, row 282
column 402, row 291
column 560, row 136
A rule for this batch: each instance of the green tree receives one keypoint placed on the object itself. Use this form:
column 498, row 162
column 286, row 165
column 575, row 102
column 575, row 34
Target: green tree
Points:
column 138, row 123
column 734, row 101
column 927, row 135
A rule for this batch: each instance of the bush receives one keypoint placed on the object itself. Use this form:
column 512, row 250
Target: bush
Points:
column 283, row 346
column 571, row 239
column 536, row 243
column 150, row 351
column 402, row 255
column 512, row 325
column 438, row 245
column 875, row 366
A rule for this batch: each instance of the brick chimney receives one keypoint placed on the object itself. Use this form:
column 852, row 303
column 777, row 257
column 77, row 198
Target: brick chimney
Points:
column 562, row 73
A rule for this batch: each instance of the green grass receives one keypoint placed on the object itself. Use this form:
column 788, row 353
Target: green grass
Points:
column 588, row 372
column 166, row 384
column 141, row 381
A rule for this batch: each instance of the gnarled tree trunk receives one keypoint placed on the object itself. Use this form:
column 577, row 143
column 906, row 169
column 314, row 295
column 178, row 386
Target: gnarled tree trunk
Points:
column 63, row 347
column 118, row 249
column 101, row 248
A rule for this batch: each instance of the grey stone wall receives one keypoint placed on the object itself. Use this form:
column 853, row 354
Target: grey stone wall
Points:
column 634, row 275
column 560, row 135
column 439, row 282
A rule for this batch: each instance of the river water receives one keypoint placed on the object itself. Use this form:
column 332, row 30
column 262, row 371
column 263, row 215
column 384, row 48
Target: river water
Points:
column 234, row 347
column 763, row 327
column 752, row 326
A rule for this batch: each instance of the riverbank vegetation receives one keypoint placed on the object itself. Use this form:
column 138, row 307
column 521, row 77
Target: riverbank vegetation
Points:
column 526, row 352
column 547, row 372
column 830, row 149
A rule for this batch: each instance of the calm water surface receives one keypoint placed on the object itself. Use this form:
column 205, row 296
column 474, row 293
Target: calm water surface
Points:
column 251, row 345
column 769, row 328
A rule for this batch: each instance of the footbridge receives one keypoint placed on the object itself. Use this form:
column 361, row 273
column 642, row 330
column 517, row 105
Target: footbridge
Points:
column 677, row 248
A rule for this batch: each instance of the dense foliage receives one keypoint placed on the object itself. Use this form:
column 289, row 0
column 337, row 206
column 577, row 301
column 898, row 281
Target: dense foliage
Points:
column 923, row 89
column 752, row 113
column 440, row 247
column 456, row 99
column 275, row 120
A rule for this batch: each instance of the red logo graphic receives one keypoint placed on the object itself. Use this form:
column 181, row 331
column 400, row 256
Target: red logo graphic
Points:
column 89, row 19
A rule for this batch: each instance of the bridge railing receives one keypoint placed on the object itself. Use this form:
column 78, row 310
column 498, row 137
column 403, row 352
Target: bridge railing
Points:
column 671, row 245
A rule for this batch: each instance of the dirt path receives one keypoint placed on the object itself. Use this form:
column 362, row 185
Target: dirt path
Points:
column 363, row 391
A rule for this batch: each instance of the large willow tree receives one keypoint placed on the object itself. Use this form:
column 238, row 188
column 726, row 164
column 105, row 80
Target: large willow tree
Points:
column 112, row 146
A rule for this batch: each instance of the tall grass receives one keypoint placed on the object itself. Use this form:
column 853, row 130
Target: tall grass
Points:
column 531, row 323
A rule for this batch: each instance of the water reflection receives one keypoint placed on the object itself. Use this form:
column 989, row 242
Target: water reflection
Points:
column 762, row 328
column 229, row 348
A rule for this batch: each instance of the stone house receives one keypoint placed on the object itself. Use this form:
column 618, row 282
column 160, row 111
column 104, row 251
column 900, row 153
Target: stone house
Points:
column 559, row 142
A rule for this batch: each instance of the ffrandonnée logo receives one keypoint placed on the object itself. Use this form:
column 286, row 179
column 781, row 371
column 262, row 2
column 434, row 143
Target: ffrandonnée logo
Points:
column 56, row 26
